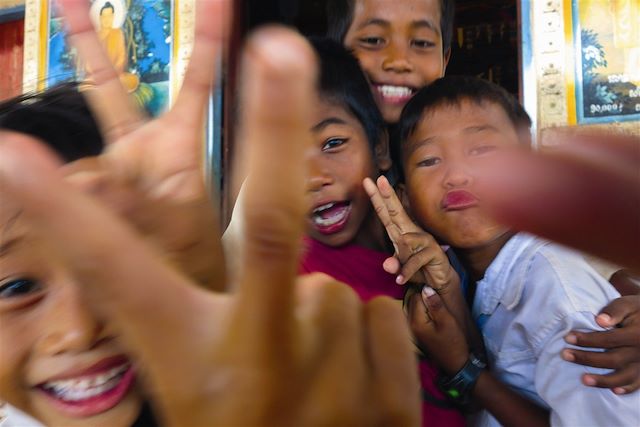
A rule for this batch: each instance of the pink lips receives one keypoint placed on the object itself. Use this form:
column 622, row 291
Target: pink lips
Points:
column 458, row 200
column 98, row 403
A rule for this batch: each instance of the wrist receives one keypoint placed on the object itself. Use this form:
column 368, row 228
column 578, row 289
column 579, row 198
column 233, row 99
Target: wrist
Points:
column 459, row 387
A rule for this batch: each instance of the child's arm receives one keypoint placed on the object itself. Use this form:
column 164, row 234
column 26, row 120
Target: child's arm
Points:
column 437, row 332
column 418, row 257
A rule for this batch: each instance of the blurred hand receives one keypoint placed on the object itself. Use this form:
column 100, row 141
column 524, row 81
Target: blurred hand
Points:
column 584, row 193
column 151, row 171
column 282, row 351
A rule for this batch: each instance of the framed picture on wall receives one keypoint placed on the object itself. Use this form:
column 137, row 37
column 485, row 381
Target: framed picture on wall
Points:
column 147, row 41
column 607, row 51
column 581, row 63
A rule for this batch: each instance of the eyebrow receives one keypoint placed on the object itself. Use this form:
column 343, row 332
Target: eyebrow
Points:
column 480, row 128
column 5, row 247
column 420, row 23
column 326, row 122
column 7, row 244
column 411, row 147
column 425, row 23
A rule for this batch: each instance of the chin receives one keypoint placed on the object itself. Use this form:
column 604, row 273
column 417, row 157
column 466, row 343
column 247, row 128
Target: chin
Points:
column 391, row 115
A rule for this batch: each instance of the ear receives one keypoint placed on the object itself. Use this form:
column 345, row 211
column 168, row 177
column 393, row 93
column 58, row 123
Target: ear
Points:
column 383, row 153
column 447, row 57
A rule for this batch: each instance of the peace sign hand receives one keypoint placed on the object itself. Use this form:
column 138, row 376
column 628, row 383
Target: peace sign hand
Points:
column 418, row 257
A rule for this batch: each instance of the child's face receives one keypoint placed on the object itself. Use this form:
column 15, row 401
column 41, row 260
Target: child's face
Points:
column 58, row 362
column 439, row 160
column 339, row 161
column 399, row 46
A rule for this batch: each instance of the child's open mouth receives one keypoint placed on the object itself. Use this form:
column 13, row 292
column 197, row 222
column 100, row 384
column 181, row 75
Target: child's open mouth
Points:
column 331, row 217
column 91, row 393
column 394, row 94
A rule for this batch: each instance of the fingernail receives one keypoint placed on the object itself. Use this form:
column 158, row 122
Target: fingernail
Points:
column 571, row 339
column 590, row 381
column 604, row 318
column 619, row 390
column 428, row 292
column 400, row 279
column 568, row 356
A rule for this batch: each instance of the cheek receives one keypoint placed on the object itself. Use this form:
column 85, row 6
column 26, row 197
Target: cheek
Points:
column 16, row 343
column 431, row 68
column 367, row 60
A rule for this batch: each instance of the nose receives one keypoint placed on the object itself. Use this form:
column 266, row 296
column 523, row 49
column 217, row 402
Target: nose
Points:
column 319, row 174
column 396, row 58
column 457, row 175
column 69, row 326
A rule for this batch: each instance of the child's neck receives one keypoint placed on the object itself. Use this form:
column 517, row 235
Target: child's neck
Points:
column 477, row 260
column 372, row 235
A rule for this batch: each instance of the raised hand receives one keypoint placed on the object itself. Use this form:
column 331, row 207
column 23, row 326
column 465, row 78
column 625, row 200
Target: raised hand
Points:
column 282, row 351
column 418, row 257
column 151, row 171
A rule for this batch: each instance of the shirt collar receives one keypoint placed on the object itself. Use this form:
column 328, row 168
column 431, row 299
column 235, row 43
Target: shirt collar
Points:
column 500, row 285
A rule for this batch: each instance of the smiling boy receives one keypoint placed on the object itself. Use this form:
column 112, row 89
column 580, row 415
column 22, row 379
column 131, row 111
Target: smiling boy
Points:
column 402, row 46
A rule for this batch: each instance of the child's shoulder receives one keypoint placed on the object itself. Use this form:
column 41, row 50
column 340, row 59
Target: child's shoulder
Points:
column 562, row 278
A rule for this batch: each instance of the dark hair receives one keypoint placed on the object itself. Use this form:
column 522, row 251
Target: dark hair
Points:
column 107, row 5
column 452, row 90
column 59, row 117
column 342, row 81
column 340, row 17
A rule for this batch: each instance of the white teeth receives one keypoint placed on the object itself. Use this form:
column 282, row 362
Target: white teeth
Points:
column 333, row 219
column 88, row 386
column 323, row 207
column 395, row 91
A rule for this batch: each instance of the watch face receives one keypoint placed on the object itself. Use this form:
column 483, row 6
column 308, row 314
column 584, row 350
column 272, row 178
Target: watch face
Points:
column 453, row 393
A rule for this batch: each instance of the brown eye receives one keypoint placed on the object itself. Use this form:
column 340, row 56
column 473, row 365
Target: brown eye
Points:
column 423, row 44
column 372, row 41
column 333, row 143
column 18, row 288
column 432, row 161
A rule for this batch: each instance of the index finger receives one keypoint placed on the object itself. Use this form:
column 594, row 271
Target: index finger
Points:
column 115, row 112
column 278, row 87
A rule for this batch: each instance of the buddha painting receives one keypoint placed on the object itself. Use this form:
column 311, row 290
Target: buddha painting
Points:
column 109, row 23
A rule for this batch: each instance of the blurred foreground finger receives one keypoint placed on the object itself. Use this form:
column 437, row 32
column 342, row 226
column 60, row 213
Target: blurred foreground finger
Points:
column 394, row 364
column 567, row 200
column 114, row 110
column 278, row 88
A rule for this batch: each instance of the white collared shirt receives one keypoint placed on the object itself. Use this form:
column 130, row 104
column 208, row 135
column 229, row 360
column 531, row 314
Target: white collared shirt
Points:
column 534, row 293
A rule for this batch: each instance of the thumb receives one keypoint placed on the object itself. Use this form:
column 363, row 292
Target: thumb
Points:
column 434, row 305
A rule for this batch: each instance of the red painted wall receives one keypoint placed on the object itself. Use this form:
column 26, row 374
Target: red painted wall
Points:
column 11, row 53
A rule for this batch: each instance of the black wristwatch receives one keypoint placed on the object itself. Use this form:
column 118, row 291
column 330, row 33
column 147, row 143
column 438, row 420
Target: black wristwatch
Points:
column 459, row 387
